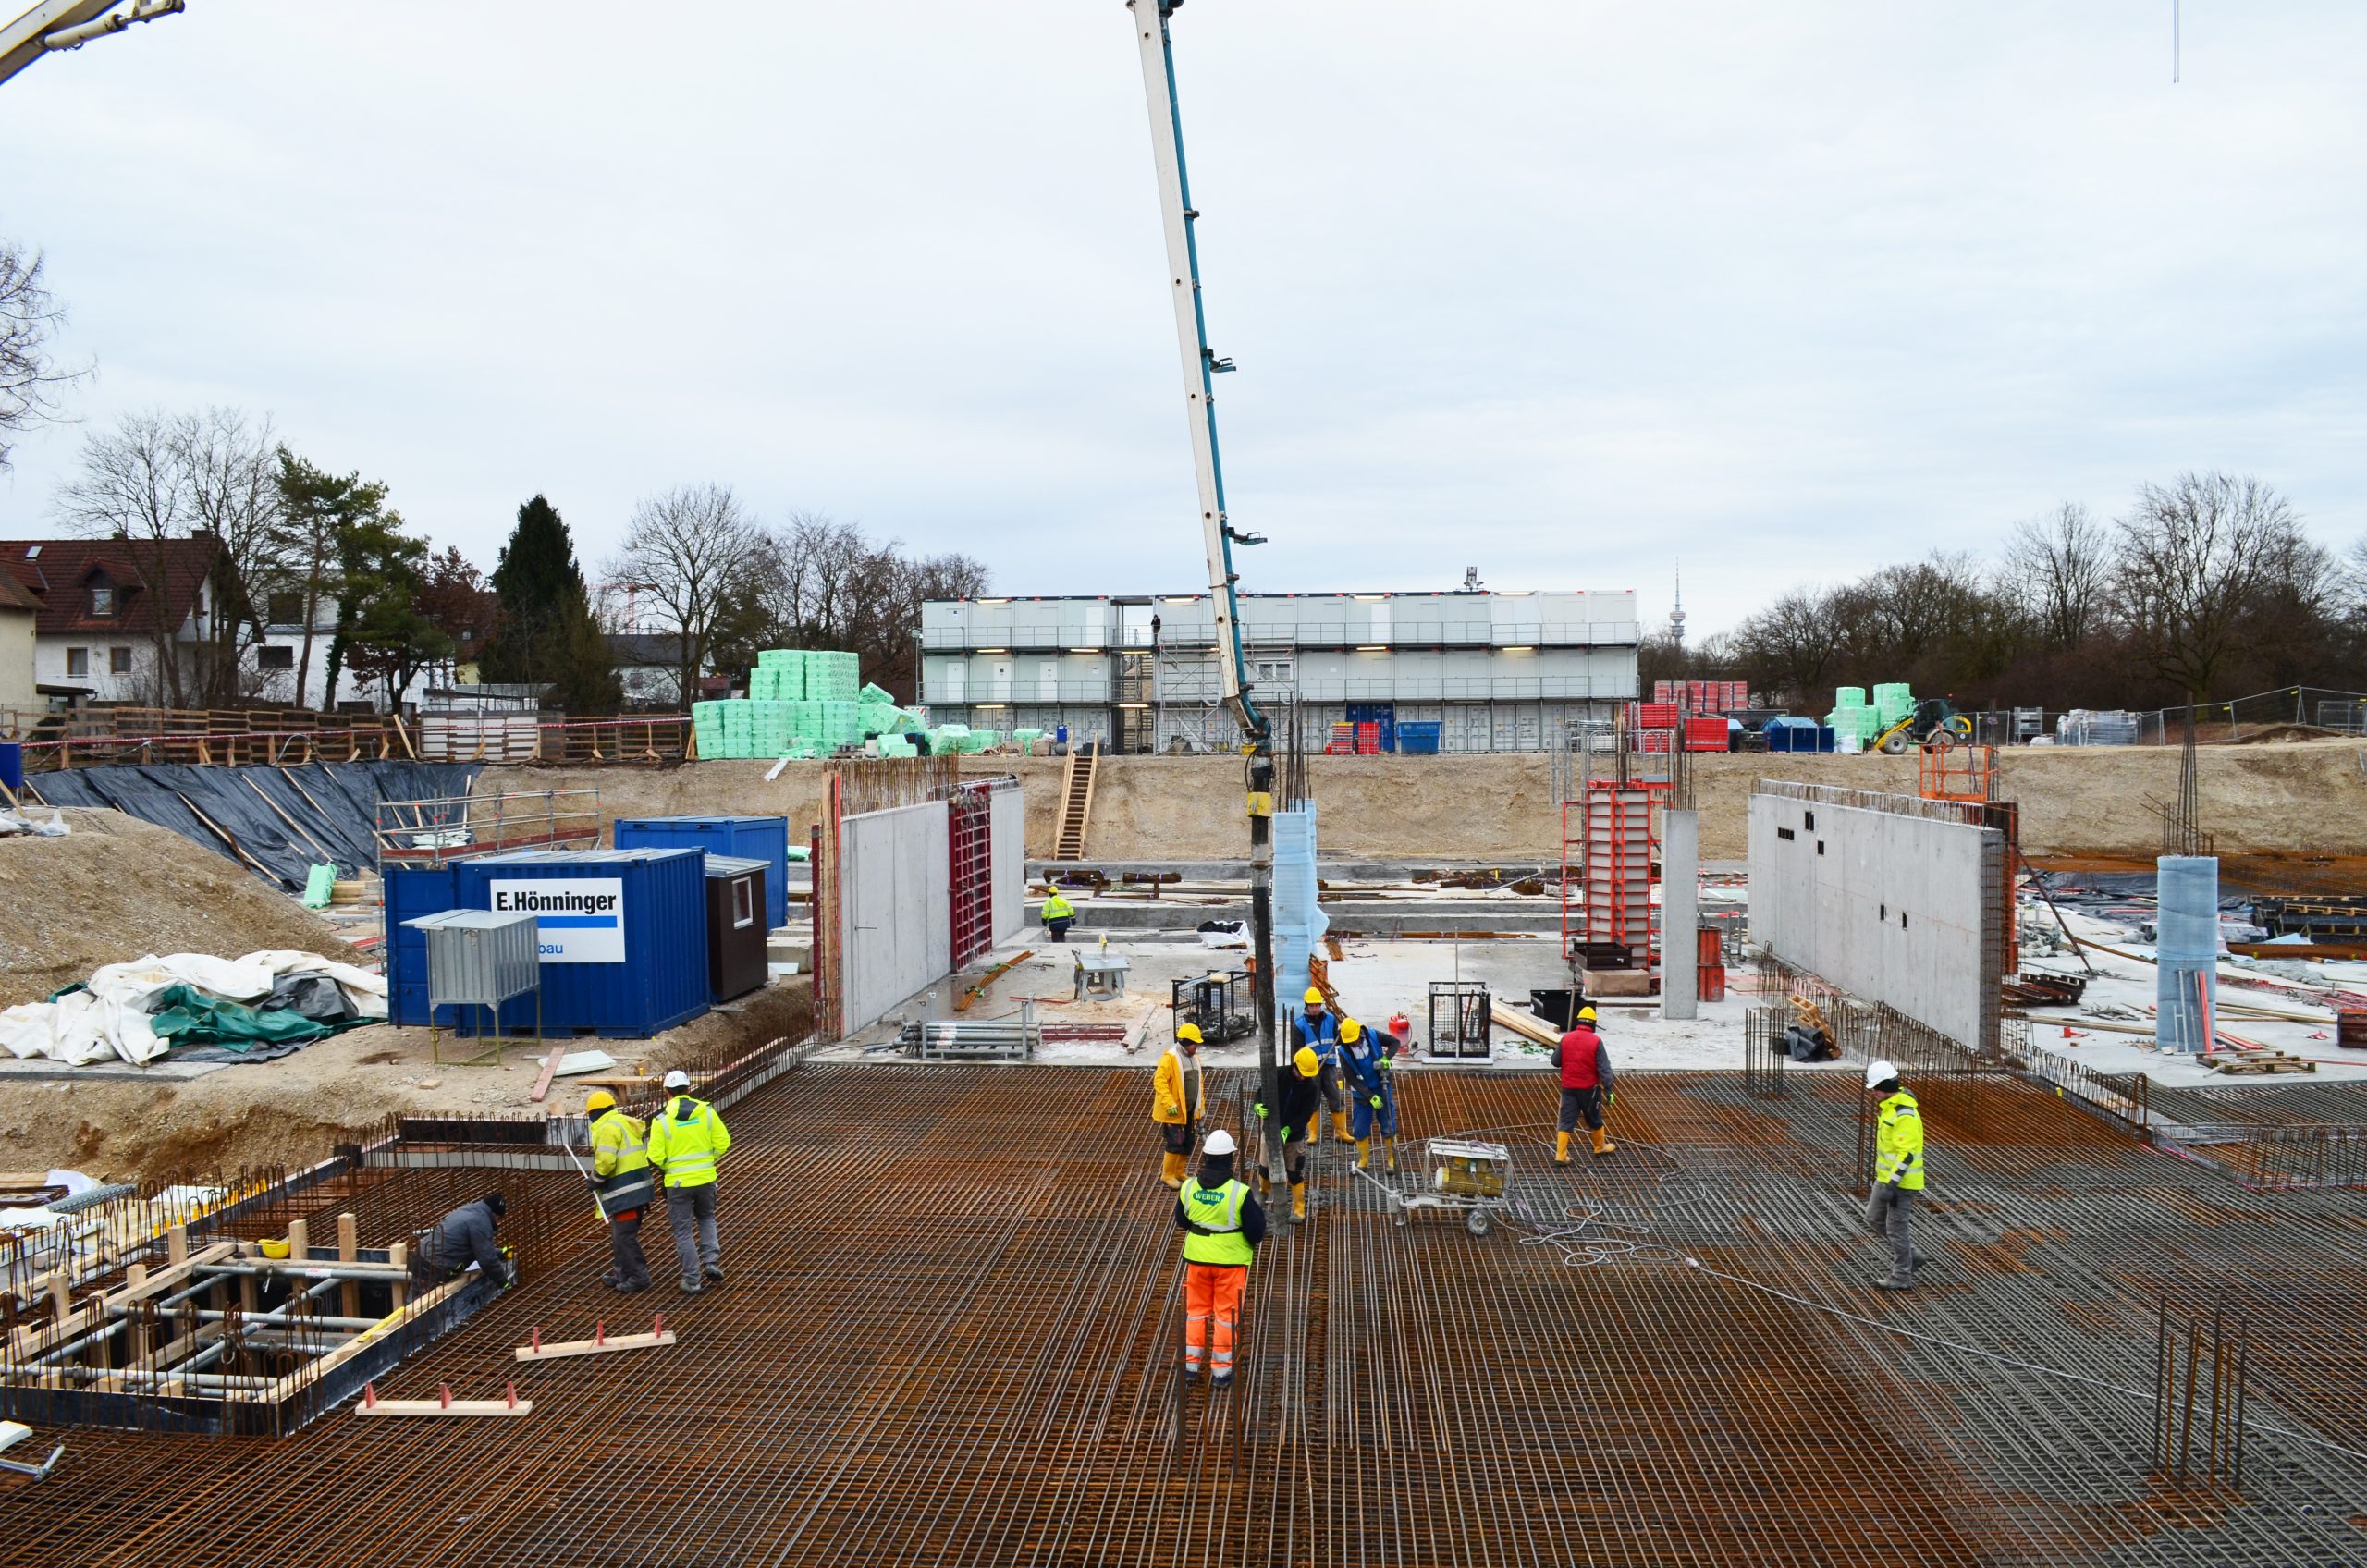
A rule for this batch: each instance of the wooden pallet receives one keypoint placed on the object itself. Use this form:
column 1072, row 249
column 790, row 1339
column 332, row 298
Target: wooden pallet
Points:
column 2266, row 1062
column 1076, row 806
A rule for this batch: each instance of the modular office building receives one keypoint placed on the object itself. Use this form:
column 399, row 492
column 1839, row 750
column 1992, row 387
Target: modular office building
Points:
column 1495, row 671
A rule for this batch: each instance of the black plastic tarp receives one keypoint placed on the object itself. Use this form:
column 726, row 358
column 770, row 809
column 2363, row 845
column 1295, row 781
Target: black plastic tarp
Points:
column 325, row 811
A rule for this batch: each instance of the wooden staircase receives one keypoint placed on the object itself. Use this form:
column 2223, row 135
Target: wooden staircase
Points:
column 1076, row 806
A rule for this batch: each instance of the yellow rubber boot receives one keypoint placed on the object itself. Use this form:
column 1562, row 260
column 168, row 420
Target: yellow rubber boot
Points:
column 1364, row 1152
column 1560, row 1149
column 1603, row 1144
column 1393, row 1154
column 1298, row 1200
column 1340, row 1126
column 1171, row 1170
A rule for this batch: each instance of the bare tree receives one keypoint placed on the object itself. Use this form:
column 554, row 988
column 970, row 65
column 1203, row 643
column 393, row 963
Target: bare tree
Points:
column 685, row 549
column 231, row 466
column 2058, row 568
column 1788, row 647
column 134, row 487
column 30, row 317
column 2203, row 565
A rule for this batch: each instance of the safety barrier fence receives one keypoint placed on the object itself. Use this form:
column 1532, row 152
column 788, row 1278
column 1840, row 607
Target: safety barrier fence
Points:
column 100, row 737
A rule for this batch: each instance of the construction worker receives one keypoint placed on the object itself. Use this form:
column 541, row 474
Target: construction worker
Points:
column 1898, row 1174
column 618, row 1152
column 1222, row 1225
column 1177, row 1100
column 1319, row 1032
column 685, row 1139
column 1585, row 1065
column 1302, row 1097
column 1364, row 1072
column 461, row 1238
column 1059, row 914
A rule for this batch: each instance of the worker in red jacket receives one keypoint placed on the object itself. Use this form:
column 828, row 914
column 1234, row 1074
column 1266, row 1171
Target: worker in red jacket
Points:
column 1584, row 1062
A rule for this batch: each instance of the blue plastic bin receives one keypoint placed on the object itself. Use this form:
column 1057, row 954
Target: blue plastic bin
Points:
column 1418, row 737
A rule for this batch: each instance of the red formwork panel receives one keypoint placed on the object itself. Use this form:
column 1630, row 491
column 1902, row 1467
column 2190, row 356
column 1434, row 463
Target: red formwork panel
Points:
column 971, row 818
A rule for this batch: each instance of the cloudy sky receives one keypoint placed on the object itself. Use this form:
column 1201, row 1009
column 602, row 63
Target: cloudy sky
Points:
column 1569, row 290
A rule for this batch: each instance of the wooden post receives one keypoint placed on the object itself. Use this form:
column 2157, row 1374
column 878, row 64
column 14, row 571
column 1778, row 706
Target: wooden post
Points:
column 399, row 1256
column 135, row 1320
column 349, row 1250
column 299, row 1240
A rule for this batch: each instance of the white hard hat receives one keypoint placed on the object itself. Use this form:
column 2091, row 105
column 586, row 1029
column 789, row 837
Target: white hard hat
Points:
column 1879, row 1073
column 1220, row 1142
column 677, row 1079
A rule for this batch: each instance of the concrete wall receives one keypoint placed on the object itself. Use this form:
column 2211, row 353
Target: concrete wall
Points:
column 1895, row 908
column 1008, row 835
column 895, row 908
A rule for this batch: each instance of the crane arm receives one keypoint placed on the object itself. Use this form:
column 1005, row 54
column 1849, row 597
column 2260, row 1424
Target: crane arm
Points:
column 1201, row 366
column 69, row 24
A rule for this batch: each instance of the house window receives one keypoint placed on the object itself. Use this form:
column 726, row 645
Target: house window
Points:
column 77, row 661
column 118, row 661
column 274, row 658
column 744, row 902
column 101, row 601
column 286, row 610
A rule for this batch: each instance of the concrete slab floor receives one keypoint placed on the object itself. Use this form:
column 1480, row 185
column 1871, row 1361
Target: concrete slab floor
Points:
column 1375, row 978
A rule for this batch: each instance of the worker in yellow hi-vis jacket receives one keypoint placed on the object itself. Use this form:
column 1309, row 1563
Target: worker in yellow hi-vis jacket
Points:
column 1899, row 1173
column 686, row 1138
column 1177, row 1100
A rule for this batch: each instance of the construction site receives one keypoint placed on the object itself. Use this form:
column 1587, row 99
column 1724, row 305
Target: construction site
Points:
column 1340, row 1079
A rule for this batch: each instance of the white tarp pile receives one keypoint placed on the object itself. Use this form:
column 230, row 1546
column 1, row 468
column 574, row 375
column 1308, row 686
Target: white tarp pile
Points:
column 109, row 1021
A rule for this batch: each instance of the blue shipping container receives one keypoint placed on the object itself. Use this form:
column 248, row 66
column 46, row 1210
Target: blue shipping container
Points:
column 1419, row 738
column 744, row 838
column 623, row 938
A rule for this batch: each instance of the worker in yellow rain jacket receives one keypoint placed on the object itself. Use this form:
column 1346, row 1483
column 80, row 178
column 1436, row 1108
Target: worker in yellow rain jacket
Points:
column 1899, row 1173
column 1177, row 1100
column 1058, row 915
column 1222, row 1226
column 685, row 1139
column 620, row 1176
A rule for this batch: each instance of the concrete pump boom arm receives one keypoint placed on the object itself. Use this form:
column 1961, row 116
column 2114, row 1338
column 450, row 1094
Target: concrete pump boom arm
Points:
column 1200, row 363
column 69, row 24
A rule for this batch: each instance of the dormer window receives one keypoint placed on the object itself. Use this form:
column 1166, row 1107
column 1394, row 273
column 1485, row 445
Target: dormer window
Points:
column 101, row 600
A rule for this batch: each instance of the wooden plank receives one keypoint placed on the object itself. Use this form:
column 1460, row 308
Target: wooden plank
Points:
column 550, row 1070
column 1527, row 1025
column 557, row 1350
column 962, row 1003
column 292, row 826
column 512, row 1406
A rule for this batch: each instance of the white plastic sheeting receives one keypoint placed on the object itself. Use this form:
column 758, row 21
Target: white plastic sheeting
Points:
column 109, row 1021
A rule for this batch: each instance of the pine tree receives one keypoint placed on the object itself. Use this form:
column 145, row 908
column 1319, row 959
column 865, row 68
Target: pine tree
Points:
column 547, row 636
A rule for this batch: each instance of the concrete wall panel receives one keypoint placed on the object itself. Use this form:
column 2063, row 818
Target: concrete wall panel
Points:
column 1892, row 907
column 1007, row 828
column 895, row 906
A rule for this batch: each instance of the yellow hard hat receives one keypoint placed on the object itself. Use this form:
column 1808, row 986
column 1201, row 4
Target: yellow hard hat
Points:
column 1351, row 1030
column 274, row 1246
column 1586, row 1015
column 1307, row 1062
column 1313, row 998
column 599, row 1100
column 1188, row 1032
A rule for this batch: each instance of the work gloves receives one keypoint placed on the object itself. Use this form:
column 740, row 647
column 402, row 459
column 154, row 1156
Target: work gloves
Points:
column 1375, row 1102
column 1260, row 1108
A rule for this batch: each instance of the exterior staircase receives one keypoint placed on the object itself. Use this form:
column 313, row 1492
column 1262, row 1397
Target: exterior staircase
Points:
column 1076, row 804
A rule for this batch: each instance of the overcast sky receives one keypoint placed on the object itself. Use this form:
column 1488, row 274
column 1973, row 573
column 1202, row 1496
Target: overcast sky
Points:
column 1565, row 289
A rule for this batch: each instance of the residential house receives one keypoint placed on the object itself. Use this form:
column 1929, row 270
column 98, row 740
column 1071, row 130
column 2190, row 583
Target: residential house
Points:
column 20, row 612
column 649, row 667
column 111, row 612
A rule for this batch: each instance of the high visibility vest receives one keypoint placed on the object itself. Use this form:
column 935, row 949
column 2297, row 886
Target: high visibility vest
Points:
column 1059, row 908
column 1321, row 1036
column 1581, row 1064
column 617, row 1145
column 684, row 1138
column 1218, row 1212
column 1898, row 1144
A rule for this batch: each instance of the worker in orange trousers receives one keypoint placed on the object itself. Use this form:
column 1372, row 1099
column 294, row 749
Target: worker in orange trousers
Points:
column 1222, row 1225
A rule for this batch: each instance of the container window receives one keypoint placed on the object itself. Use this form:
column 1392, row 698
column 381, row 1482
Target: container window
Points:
column 744, row 902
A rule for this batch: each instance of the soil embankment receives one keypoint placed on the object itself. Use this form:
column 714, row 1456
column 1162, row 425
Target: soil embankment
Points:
column 116, row 889
column 2302, row 797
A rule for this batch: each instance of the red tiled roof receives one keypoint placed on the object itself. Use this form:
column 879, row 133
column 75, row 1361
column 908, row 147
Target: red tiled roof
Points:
column 14, row 597
column 53, row 572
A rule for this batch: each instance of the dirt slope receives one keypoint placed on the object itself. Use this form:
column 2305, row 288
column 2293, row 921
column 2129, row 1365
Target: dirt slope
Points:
column 118, row 888
column 2302, row 796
